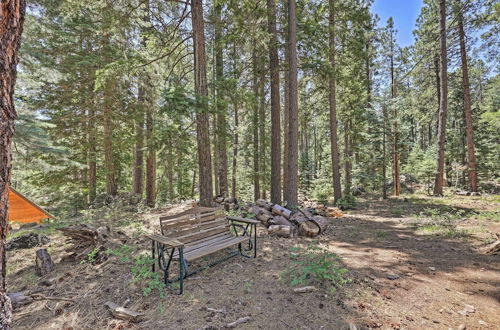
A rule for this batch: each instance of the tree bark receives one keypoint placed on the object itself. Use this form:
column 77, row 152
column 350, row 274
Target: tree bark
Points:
column 262, row 129
column 286, row 108
column 395, row 151
column 347, row 157
column 92, row 154
column 108, row 141
column 138, row 179
column 255, row 124
column 290, row 194
column 469, row 130
column 11, row 27
column 235, row 138
column 202, row 126
column 275, row 104
column 151, row 157
column 443, row 104
column 221, row 109
column 337, row 190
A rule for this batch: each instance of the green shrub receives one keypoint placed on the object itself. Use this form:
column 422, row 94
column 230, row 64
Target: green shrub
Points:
column 346, row 202
column 315, row 265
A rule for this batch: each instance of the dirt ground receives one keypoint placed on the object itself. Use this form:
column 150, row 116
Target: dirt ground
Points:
column 406, row 271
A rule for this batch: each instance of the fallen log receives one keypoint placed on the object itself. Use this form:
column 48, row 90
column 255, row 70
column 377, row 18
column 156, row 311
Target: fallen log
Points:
column 264, row 218
column 491, row 248
column 123, row 313
column 280, row 220
column 280, row 210
column 44, row 263
column 282, row 231
column 305, row 289
column 264, row 204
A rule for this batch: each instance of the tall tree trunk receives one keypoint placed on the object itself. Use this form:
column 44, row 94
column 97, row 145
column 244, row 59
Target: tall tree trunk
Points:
column 138, row 179
column 202, row 126
column 334, row 146
column 108, row 141
column 384, row 153
column 235, row 138
column 215, row 158
column 467, row 107
column 262, row 130
column 443, row 104
column 347, row 157
column 92, row 154
column 221, row 109
column 275, row 104
column 170, row 174
column 235, row 151
column 11, row 27
column 286, row 108
column 151, row 157
column 293, row 113
column 255, row 125
column 395, row 133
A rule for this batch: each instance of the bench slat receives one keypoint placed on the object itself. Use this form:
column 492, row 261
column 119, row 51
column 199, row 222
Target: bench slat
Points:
column 182, row 231
column 214, row 248
column 201, row 234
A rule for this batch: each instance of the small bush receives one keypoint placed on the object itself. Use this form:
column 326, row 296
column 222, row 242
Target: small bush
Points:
column 316, row 265
column 346, row 202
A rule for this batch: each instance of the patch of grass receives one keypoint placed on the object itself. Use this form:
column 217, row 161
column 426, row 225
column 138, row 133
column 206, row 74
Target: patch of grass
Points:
column 315, row 264
column 381, row 234
column 444, row 231
column 489, row 215
column 124, row 252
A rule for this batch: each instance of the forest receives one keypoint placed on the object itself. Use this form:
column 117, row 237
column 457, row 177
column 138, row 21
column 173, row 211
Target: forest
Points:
column 115, row 113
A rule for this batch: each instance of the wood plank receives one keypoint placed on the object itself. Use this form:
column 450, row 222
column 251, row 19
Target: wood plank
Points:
column 214, row 248
column 188, row 220
column 205, row 244
column 192, row 211
column 182, row 231
column 165, row 240
column 201, row 234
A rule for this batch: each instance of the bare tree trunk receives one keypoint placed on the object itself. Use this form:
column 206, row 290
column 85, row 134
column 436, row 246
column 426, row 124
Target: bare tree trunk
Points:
column 202, row 126
column 221, row 113
column 275, row 104
column 262, row 130
column 138, row 179
column 337, row 190
column 255, row 124
column 293, row 124
column 286, row 108
column 151, row 157
column 467, row 107
column 347, row 157
column 384, row 153
column 92, row 154
column 395, row 151
column 443, row 104
column 235, row 134
column 108, row 141
column 11, row 27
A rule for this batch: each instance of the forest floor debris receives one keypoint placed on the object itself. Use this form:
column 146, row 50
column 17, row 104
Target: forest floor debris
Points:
column 375, row 241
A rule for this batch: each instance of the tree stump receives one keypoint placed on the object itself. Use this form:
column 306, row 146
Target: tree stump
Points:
column 44, row 263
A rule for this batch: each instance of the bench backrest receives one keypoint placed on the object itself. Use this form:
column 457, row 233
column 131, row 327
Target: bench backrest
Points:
column 195, row 224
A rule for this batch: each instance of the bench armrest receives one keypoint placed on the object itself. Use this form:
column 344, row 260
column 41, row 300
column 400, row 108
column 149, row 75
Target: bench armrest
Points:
column 170, row 242
column 245, row 220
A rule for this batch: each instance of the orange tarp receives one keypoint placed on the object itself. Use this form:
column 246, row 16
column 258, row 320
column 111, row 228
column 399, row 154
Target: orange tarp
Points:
column 23, row 210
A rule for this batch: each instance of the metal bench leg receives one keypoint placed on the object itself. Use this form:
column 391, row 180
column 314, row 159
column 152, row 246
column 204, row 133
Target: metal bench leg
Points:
column 153, row 245
column 181, row 270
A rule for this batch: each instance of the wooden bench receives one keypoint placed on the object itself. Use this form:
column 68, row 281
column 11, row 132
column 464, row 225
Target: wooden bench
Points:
column 197, row 233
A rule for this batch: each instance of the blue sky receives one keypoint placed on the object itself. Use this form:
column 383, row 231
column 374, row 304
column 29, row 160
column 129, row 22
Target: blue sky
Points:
column 403, row 12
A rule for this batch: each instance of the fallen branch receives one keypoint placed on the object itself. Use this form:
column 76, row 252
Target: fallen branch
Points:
column 37, row 296
column 123, row 313
column 239, row 321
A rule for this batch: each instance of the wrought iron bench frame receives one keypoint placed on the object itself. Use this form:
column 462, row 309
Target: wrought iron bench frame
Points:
column 166, row 248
